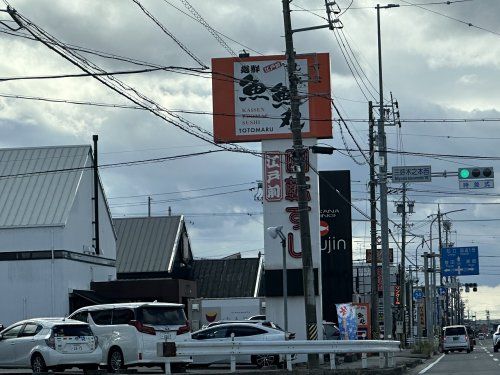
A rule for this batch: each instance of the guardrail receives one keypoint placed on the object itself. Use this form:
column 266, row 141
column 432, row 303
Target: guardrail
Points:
column 184, row 350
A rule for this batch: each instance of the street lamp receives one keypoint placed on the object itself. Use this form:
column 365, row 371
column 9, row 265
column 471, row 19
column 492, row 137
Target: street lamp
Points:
column 382, row 150
column 274, row 232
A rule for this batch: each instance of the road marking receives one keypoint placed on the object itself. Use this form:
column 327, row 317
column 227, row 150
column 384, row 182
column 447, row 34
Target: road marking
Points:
column 432, row 364
column 491, row 355
column 495, row 359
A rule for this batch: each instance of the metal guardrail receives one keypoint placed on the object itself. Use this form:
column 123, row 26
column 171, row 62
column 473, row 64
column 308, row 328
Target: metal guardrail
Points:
column 186, row 349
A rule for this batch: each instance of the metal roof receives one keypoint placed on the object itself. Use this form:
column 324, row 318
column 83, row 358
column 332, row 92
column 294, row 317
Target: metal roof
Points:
column 226, row 278
column 146, row 244
column 38, row 185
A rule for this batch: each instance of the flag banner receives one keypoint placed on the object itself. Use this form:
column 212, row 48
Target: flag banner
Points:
column 348, row 321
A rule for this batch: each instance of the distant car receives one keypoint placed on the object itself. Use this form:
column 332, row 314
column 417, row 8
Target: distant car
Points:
column 472, row 337
column 456, row 338
column 49, row 343
column 129, row 332
column 480, row 336
column 239, row 331
column 331, row 331
column 496, row 339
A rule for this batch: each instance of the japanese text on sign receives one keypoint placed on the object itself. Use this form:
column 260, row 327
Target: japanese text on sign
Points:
column 411, row 173
column 273, row 184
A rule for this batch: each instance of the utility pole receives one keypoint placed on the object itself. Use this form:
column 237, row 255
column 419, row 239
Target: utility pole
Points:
column 95, row 138
column 403, row 256
column 149, row 206
column 305, row 235
column 386, row 277
column 373, row 226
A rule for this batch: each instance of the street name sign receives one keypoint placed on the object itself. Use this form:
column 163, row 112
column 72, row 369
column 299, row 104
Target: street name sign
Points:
column 459, row 261
column 476, row 184
column 419, row 173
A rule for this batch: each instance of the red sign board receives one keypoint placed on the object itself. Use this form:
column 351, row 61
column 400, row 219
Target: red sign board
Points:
column 273, row 177
column 251, row 99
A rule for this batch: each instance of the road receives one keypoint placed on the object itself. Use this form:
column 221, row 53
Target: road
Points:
column 482, row 361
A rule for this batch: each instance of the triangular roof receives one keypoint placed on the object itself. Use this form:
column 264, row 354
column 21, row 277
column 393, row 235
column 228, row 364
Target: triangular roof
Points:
column 226, row 278
column 38, row 185
column 150, row 244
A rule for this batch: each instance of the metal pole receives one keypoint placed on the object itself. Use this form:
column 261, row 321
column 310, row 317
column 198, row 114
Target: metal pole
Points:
column 285, row 285
column 305, row 234
column 95, row 137
column 149, row 206
column 410, row 301
column 386, row 277
column 373, row 226
column 428, row 311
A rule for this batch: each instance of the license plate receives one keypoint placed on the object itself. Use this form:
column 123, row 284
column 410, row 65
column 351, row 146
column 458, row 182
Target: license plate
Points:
column 455, row 338
column 77, row 347
column 168, row 336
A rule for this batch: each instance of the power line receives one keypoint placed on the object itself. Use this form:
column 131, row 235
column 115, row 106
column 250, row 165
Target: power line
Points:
column 169, row 33
column 451, row 18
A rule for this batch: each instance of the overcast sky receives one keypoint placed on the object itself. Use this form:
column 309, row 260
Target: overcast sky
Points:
column 435, row 66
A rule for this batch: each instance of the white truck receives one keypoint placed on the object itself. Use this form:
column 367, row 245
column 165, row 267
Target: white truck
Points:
column 202, row 311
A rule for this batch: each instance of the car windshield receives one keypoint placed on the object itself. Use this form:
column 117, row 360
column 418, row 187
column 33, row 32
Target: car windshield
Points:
column 454, row 331
column 72, row 330
column 162, row 315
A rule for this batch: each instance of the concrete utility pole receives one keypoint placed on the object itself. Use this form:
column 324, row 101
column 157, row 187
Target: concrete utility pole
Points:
column 97, row 249
column 403, row 256
column 373, row 226
column 305, row 235
column 382, row 178
column 428, row 297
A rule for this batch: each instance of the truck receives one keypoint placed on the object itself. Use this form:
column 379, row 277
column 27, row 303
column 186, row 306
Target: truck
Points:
column 202, row 311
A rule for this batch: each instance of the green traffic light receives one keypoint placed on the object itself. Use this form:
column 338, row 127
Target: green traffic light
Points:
column 464, row 173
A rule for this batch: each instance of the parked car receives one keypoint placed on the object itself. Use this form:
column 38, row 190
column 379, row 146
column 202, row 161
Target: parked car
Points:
column 257, row 317
column 496, row 339
column 49, row 343
column 128, row 332
column 239, row 331
column 480, row 336
column 456, row 338
column 330, row 331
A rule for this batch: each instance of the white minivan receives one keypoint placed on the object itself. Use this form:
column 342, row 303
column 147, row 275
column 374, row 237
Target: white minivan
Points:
column 456, row 338
column 128, row 332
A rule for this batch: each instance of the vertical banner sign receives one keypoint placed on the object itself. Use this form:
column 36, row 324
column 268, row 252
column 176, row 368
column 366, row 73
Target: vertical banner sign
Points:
column 251, row 99
column 364, row 323
column 348, row 321
column 273, row 177
column 336, row 240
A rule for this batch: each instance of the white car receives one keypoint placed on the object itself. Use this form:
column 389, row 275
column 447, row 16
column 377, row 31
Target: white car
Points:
column 456, row 338
column 242, row 331
column 128, row 332
column 49, row 343
column 496, row 339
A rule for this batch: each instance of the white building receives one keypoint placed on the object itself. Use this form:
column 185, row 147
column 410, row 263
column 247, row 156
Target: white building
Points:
column 47, row 236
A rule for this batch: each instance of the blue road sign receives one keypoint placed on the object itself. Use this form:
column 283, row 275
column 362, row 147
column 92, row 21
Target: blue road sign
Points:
column 442, row 291
column 459, row 261
column 418, row 294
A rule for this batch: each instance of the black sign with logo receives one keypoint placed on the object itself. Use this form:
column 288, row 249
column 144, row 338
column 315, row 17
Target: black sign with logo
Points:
column 336, row 240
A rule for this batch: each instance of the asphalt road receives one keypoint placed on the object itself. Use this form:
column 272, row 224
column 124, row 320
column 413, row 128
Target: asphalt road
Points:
column 482, row 361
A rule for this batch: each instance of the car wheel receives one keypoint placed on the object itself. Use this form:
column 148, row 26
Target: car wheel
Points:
column 115, row 360
column 495, row 348
column 468, row 350
column 446, row 352
column 265, row 360
column 38, row 364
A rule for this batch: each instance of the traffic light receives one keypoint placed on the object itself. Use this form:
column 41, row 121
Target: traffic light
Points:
column 471, row 285
column 474, row 173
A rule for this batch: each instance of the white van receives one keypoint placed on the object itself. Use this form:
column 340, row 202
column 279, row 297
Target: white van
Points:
column 456, row 338
column 128, row 332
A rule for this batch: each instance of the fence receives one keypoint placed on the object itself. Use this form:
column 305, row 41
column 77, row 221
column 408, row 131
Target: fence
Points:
column 184, row 350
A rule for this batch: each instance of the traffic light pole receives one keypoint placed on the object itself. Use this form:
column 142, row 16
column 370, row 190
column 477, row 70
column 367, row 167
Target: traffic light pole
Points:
column 305, row 234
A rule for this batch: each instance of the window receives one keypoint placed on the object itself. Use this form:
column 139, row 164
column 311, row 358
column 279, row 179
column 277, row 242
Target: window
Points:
column 122, row 316
column 12, row 333
column 101, row 317
column 81, row 316
column 213, row 333
column 161, row 315
column 242, row 331
column 455, row 331
column 72, row 330
column 30, row 329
